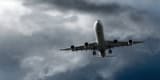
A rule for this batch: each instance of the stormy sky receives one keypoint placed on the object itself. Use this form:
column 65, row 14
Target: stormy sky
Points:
column 33, row 31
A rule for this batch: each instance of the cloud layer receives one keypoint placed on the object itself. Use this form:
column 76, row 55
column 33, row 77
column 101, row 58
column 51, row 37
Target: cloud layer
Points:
column 32, row 31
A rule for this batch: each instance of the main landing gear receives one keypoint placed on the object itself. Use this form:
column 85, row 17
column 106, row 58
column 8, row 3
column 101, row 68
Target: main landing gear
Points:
column 94, row 53
column 110, row 51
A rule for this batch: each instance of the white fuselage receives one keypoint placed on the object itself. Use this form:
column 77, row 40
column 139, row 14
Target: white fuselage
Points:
column 100, row 35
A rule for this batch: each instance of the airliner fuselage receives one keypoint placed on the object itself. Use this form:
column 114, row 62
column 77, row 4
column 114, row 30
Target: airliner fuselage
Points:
column 100, row 37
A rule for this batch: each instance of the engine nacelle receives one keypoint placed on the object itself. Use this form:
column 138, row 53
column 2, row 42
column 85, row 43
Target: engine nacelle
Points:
column 72, row 47
column 115, row 41
column 86, row 44
column 130, row 42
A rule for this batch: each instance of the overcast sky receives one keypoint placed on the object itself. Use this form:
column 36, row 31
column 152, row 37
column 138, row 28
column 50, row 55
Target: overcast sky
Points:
column 33, row 31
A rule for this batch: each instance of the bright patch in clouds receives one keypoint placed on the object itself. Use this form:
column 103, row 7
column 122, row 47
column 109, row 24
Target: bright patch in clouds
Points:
column 11, row 12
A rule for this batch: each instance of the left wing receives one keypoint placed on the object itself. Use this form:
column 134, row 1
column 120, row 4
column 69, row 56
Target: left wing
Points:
column 112, row 44
column 86, row 46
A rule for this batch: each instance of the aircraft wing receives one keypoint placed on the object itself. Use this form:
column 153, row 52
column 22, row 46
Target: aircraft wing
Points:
column 90, row 46
column 112, row 44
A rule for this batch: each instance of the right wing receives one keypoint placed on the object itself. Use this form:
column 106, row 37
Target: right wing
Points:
column 112, row 44
column 90, row 46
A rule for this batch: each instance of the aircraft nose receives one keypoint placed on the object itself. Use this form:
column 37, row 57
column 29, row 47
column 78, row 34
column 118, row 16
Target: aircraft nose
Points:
column 97, row 24
column 98, row 21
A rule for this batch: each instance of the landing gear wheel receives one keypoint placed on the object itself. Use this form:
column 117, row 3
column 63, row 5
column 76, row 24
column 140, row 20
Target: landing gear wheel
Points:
column 110, row 51
column 94, row 53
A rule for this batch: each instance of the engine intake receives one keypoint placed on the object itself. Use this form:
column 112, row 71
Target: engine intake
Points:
column 86, row 44
column 130, row 42
column 72, row 47
column 115, row 41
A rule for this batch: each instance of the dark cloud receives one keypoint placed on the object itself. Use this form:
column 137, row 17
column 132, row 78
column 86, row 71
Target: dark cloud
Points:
column 149, row 69
column 82, row 5
column 128, row 17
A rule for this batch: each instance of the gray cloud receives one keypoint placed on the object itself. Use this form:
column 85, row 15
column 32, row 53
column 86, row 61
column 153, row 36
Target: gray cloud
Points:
column 112, row 7
column 40, row 47
column 31, row 52
column 129, row 17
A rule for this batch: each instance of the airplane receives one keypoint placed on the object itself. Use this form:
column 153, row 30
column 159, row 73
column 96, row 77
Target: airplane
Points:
column 101, row 44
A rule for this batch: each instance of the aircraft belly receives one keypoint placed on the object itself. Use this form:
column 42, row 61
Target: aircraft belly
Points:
column 100, row 38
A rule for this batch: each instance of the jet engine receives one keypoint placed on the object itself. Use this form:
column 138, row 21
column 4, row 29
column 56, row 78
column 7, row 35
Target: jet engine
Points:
column 72, row 47
column 130, row 42
column 115, row 41
column 86, row 44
